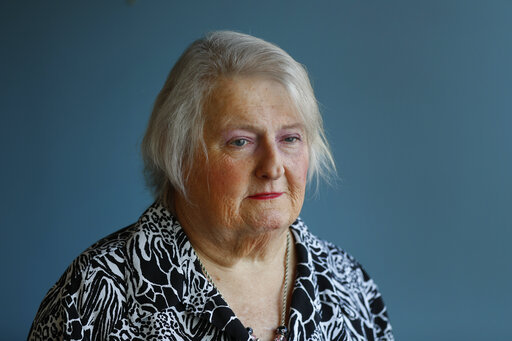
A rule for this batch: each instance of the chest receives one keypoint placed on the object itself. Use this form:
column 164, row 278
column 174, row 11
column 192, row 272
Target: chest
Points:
column 336, row 322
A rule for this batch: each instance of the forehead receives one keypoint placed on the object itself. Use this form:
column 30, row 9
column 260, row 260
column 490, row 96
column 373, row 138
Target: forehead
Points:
column 237, row 100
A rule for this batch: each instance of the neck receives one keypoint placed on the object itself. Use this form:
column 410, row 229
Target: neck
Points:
column 230, row 251
column 230, row 248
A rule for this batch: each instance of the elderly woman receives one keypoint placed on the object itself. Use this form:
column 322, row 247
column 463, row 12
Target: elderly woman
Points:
column 233, row 139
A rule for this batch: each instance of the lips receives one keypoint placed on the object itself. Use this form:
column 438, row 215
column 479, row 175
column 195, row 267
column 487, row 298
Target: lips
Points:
column 266, row 195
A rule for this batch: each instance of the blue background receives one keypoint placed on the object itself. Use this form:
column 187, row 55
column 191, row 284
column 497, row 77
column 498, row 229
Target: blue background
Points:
column 416, row 96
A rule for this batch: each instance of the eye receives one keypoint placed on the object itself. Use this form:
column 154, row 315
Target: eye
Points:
column 239, row 142
column 291, row 139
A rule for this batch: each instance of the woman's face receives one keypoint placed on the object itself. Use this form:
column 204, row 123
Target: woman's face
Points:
column 254, row 177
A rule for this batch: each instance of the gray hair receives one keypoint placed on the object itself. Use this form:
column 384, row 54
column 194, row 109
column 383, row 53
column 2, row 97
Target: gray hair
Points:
column 175, row 128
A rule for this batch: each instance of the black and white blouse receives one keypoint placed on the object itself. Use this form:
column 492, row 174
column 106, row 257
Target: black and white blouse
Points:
column 145, row 282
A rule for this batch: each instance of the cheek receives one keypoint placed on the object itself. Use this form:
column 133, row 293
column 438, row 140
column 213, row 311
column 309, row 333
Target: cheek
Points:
column 300, row 169
column 226, row 178
column 304, row 173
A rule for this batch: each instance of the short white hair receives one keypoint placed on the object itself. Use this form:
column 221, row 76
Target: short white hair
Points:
column 175, row 128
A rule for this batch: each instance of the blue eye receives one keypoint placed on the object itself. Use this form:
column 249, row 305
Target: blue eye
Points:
column 291, row 139
column 239, row 142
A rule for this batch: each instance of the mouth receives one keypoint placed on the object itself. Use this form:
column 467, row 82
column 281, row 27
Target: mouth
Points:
column 266, row 195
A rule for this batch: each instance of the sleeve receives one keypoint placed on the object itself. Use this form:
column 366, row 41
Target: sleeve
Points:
column 85, row 303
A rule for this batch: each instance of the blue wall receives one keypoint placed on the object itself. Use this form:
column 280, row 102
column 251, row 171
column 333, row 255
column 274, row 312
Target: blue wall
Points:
column 417, row 99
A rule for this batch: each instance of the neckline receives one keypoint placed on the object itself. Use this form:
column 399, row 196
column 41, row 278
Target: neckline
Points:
column 281, row 331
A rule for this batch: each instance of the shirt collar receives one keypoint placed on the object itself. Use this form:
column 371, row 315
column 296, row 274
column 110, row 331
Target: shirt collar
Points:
column 305, row 310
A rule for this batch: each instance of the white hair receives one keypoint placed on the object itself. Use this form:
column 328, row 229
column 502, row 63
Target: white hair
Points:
column 175, row 128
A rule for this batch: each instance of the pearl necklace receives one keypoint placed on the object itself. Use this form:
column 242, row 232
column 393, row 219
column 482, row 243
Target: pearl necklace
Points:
column 281, row 331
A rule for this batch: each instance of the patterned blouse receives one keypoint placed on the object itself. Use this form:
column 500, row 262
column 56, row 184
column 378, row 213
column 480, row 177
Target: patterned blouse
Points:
column 145, row 282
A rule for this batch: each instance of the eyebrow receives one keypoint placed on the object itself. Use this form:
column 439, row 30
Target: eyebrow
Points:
column 252, row 127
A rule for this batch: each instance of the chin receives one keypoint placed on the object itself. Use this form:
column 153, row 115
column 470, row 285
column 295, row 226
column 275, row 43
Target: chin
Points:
column 272, row 221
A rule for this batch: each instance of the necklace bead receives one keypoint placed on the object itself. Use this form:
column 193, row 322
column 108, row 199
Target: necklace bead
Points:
column 282, row 330
column 281, row 333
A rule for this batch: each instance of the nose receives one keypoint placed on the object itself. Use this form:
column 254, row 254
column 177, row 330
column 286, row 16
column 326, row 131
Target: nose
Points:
column 270, row 165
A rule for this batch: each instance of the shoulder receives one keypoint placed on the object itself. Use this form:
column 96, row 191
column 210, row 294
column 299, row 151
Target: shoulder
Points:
column 109, row 251
column 340, row 281
column 325, row 255
column 89, row 296
column 97, row 289
column 104, row 259
column 333, row 263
